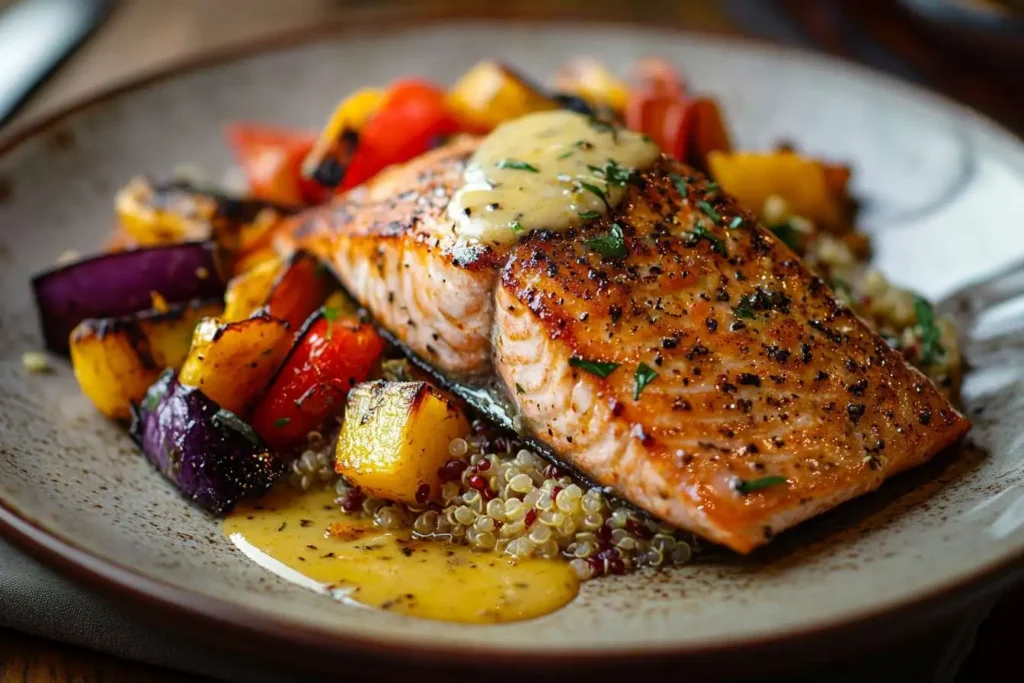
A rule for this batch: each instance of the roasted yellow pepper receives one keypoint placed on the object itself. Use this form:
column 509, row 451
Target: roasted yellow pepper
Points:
column 491, row 93
column 116, row 359
column 802, row 182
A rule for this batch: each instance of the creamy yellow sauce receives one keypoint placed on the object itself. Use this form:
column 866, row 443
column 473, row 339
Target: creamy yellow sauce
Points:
column 305, row 538
column 546, row 171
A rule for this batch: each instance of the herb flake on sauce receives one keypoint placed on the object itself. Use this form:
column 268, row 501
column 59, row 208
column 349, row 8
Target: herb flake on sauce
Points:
column 517, row 165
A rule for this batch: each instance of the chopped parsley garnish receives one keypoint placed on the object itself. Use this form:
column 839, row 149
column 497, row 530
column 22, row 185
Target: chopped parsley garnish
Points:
column 517, row 165
column 564, row 155
column 612, row 173
column 595, row 190
column 615, row 174
column 931, row 335
column 612, row 245
column 744, row 309
column 736, row 222
column 680, row 184
column 330, row 315
column 701, row 233
column 789, row 235
column 282, row 422
column 516, row 227
column 711, row 187
column 587, row 215
column 709, row 211
column 594, row 367
column 644, row 376
column 745, row 486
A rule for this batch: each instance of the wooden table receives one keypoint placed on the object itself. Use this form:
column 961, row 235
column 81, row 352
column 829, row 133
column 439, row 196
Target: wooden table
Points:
column 157, row 32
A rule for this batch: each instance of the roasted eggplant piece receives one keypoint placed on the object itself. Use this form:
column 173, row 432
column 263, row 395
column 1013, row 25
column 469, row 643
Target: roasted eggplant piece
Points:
column 117, row 359
column 112, row 285
column 209, row 453
column 234, row 362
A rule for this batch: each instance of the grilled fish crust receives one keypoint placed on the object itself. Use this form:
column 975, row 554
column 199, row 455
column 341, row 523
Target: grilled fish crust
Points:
column 760, row 371
column 771, row 403
column 390, row 244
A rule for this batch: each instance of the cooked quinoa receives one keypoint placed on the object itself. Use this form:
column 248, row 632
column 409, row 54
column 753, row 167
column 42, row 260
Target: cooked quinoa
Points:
column 499, row 496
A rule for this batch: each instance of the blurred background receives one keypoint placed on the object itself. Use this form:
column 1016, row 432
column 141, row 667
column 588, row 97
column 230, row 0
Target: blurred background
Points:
column 972, row 50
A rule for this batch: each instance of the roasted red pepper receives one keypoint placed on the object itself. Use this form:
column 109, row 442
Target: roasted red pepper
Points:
column 272, row 160
column 330, row 356
column 658, row 106
column 413, row 115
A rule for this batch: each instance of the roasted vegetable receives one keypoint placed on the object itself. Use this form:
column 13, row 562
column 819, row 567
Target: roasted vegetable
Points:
column 706, row 132
column 802, row 182
column 301, row 288
column 332, row 153
column 590, row 79
column 179, row 212
column 117, row 359
column 249, row 290
column 112, row 285
column 412, row 117
column 272, row 160
column 491, row 93
column 664, row 118
column 330, row 356
column 290, row 291
column 209, row 453
column 233, row 362
column 395, row 439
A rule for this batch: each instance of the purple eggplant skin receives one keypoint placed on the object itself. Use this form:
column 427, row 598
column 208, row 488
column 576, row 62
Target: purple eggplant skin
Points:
column 121, row 283
column 211, row 455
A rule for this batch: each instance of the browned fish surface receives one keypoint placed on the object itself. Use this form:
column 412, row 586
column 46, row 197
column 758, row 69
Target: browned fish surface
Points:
column 388, row 244
column 743, row 400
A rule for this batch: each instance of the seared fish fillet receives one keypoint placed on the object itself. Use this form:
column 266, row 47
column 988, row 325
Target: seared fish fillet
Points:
column 771, row 402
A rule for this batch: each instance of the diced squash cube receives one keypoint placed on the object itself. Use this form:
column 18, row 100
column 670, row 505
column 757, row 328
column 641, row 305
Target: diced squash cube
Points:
column 491, row 93
column 249, row 290
column 803, row 182
column 233, row 363
column 395, row 438
column 117, row 359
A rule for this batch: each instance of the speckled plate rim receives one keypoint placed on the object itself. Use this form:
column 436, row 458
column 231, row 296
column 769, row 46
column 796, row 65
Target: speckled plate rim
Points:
column 250, row 628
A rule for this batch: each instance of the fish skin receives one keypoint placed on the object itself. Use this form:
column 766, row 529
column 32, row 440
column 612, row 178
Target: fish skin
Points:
column 761, row 372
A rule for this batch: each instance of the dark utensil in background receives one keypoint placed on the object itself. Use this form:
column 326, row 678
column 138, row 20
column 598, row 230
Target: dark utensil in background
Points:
column 35, row 37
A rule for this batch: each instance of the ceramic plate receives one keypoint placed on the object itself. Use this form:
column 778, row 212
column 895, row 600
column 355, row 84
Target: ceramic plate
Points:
column 943, row 192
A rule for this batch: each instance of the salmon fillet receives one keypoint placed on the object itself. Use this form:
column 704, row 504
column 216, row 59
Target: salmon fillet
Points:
column 762, row 401
column 395, row 252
